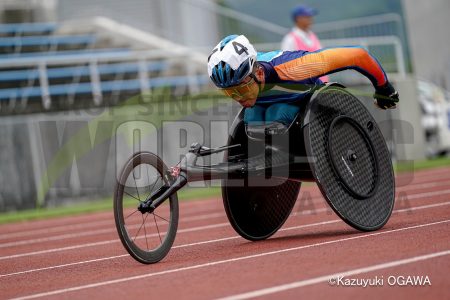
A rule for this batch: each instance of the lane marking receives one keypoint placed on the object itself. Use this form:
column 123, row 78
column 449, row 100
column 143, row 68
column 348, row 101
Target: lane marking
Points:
column 205, row 242
column 411, row 187
column 220, row 262
column 193, row 218
column 325, row 278
column 98, row 231
column 106, row 242
column 421, row 207
column 189, row 211
column 179, row 231
column 110, row 222
column 174, row 247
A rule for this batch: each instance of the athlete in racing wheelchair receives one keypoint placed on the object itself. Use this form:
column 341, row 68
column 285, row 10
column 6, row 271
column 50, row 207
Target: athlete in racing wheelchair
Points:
column 292, row 128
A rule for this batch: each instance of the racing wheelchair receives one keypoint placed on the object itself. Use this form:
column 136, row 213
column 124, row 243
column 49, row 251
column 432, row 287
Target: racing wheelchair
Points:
column 333, row 141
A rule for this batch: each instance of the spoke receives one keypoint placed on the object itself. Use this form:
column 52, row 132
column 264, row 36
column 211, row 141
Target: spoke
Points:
column 132, row 196
column 161, row 217
column 131, row 214
column 138, row 231
column 157, row 179
column 145, row 231
column 148, row 180
column 157, row 228
column 132, row 172
column 153, row 186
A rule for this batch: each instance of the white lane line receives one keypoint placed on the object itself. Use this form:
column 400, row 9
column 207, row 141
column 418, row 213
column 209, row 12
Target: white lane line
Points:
column 56, row 238
column 56, row 228
column 328, row 209
column 98, row 231
column 180, row 231
column 174, row 247
column 109, row 222
column 412, row 186
column 209, row 241
column 106, row 242
column 326, row 278
column 298, row 211
column 219, row 262
column 427, row 194
column 421, row 207
column 188, row 219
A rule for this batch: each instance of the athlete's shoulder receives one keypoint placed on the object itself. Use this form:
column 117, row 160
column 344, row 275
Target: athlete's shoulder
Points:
column 279, row 57
column 268, row 56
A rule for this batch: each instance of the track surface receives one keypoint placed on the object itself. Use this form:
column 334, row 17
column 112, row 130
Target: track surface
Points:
column 81, row 257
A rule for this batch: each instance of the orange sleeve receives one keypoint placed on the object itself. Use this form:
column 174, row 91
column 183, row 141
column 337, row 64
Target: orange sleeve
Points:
column 331, row 60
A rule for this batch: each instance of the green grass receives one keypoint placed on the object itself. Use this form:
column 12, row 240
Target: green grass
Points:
column 183, row 195
column 421, row 164
column 95, row 206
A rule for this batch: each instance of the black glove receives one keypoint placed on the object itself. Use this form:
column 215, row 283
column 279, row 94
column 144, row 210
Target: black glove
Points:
column 386, row 97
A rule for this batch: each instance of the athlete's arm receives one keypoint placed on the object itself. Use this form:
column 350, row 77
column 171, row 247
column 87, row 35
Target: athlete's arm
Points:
column 331, row 60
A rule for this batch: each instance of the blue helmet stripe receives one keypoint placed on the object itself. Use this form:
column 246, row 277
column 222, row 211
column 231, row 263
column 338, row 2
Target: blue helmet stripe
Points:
column 228, row 73
column 220, row 71
column 226, row 40
column 215, row 76
column 242, row 70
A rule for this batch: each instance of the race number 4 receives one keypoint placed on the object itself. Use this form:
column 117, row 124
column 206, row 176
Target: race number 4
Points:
column 239, row 48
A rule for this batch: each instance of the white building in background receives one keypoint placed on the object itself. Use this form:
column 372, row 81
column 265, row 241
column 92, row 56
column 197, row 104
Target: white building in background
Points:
column 428, row 24
column 181, row 21
column 21, row 11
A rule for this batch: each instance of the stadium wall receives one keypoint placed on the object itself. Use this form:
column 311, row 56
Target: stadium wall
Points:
column 56, row 158
column 428, row 23
column 53, row 158
column 179, row 21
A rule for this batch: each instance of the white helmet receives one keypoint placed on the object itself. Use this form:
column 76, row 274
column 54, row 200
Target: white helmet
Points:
column 231, row 61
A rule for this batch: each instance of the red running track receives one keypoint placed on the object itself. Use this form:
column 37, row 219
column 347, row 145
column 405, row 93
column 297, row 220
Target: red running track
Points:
column 81, row 257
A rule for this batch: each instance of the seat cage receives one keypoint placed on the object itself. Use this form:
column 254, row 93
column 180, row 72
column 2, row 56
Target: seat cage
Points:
column 261, row 132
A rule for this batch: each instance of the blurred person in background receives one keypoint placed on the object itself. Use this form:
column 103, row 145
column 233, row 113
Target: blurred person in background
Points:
column 301, row 37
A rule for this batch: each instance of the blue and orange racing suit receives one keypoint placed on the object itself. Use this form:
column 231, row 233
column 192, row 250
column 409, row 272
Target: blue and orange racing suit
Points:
column 290, row 75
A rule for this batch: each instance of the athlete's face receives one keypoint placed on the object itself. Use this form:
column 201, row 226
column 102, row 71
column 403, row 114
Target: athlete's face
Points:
column 248, row 90
column 245, row 93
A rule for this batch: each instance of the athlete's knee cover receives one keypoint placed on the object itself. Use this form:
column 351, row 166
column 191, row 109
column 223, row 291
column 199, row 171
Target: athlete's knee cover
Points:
column 281, row 112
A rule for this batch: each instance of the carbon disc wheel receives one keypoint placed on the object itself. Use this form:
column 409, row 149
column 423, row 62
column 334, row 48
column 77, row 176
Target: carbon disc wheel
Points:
column 350, row 160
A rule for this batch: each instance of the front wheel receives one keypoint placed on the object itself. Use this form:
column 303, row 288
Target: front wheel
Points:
column 148, row 237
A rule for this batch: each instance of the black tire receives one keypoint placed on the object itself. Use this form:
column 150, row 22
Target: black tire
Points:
column 155, row 244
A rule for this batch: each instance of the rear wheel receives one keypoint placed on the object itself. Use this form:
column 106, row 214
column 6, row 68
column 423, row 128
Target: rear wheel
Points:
column 148, row 237
column 255, row 206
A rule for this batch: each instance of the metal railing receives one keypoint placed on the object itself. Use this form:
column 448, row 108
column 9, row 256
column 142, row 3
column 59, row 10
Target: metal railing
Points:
column 379, row 25
column 392, row 58
column 384, row 34
column 94, row 61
